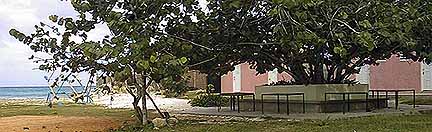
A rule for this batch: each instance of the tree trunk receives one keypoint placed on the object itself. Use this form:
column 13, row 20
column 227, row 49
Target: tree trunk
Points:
column 301, row 73
column 144, row 102
column 318, row 76
column 135, row 102
column 141, row 94
column 154, row 104
column 138, row 110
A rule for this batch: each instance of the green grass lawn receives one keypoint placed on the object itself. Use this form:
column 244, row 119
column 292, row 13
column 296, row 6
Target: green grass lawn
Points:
column 66, row 110
column 389, row 123
column 420, row 100
column 384, row 123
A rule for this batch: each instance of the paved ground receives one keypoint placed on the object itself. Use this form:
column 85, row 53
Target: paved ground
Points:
column 403, row 109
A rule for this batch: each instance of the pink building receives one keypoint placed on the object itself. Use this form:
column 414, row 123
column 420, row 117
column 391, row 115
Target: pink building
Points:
column 396, row 73
column 244, row 79
column 393, row 73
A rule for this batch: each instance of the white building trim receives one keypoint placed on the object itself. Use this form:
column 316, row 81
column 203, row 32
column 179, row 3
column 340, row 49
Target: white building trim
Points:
column 237, row 78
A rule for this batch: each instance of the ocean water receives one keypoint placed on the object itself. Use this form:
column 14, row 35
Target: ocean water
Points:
column 39, row 92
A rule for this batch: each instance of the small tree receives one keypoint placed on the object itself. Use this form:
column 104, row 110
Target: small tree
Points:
column 137, row 51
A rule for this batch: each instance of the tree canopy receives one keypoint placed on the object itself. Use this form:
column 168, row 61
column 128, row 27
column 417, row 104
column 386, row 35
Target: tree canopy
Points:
column 315, row 41
column 138, row 49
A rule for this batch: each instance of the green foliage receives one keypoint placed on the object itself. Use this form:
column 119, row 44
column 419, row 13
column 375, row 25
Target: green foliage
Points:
column 315, row 41
column 137, row 51
column 138, row 43
column 208, row 100
column 174, row 88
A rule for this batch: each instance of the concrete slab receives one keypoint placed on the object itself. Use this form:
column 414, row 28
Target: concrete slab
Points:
column 225, row 111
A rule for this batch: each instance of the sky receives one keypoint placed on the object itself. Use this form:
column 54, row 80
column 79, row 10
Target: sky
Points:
column 15, row 67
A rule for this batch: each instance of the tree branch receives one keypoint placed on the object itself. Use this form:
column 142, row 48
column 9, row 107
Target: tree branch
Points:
column 346, row 24
column 257, row 44
column 205, row 61
column 183, row 39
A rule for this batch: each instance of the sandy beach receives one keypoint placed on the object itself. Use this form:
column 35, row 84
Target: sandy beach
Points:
column 22, row 102
column 125, row 101
column 120, row 101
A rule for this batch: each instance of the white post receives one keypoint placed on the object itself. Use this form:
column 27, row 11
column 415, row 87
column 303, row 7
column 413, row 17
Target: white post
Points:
column 426, row 77
column 237, row 78
column 272, row 76
column 364, row 75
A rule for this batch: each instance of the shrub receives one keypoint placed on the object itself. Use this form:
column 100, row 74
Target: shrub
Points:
column 208, row 100
column 173, row 88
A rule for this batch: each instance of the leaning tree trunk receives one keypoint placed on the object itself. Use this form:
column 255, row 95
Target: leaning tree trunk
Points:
column 137, row 109
column 142, row 94
column 137, row 98
column 137, row 94
column 144, row 102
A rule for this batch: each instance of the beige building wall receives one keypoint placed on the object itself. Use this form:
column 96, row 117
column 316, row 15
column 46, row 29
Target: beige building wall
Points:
column 197, row 80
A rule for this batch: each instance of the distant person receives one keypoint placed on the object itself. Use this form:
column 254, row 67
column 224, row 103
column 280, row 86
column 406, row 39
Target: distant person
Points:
column 111, row 99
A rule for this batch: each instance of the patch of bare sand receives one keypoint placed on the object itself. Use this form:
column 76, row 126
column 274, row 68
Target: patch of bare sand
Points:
column 57, row 124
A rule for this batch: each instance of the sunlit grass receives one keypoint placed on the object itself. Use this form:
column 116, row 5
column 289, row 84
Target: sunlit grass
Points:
column 386, row 123
column 65, row 110
column 382, row 123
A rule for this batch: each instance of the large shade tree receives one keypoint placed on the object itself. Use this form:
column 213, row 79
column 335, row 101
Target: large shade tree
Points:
column 314, row 41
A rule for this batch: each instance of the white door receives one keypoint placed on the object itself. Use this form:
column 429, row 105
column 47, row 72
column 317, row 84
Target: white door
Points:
column 426, row 77
column 237, row 78
column 364, row 75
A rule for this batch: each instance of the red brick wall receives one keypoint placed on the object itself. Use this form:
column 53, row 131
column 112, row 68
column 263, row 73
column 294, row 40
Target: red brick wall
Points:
column 396, row 74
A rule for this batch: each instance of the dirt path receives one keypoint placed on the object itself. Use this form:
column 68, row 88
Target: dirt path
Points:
column 56, row 124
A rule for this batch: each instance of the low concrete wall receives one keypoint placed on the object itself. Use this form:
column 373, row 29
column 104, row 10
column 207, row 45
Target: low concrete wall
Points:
column 270, row 106
column 312, row 93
